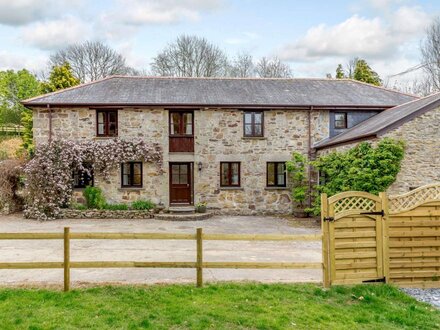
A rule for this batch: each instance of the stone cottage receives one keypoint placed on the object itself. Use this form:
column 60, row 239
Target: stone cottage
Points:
column 225, row 141
column 417, row 123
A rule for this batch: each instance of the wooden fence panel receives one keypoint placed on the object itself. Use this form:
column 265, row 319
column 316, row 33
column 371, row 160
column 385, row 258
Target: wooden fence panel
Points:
column 414, row 238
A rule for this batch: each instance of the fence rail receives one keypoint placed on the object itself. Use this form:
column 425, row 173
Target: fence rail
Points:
column 198, row 264
column 11, row 129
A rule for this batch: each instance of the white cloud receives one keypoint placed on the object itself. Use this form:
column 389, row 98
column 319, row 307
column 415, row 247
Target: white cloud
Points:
column 20, row 12
column 143, row 12
column 16, row 61
column 243, row 38
column 358, row 36
column 49, row 35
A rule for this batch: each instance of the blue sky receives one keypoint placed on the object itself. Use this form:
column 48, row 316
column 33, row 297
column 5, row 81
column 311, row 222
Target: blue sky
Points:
column 313, row 36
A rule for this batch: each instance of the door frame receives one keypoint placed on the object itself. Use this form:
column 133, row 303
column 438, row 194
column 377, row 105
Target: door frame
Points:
column 191, row 183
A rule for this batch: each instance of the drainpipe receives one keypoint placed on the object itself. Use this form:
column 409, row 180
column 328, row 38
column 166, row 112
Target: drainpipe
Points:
column 50, row 122
column 309, row 124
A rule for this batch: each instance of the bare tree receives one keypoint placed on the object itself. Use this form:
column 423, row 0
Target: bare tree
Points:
column 273, row 68
column 190, row 56
column 242, row 66
column 415, row 86
column 91, row 60
column 430, row 49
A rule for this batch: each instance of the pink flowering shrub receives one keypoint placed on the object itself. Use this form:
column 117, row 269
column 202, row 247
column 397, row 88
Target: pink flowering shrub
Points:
column 49, row 180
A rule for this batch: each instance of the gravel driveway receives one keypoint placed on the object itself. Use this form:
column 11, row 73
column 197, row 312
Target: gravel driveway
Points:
column 431, row 296
column 159, row 250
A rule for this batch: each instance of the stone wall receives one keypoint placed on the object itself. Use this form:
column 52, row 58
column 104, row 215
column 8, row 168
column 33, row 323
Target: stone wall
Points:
column 421, row 164
column 107, row 214
column 218, row 137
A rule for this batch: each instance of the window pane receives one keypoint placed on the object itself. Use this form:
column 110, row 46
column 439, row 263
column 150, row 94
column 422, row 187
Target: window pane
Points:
column 183, row 178
column 340, row 120
column 271, row 174
column 175, row 174
column 137, row 174
column 125, row 180
column 224, row 174
column 112, row 118
column 175, row 123
column 183, row 174
column 187, row 118
column 101, row 123
column 281, row 178
column 248, row 130
column 258, row 130
column 248, row 118
column 258, row 117
column 235, row 174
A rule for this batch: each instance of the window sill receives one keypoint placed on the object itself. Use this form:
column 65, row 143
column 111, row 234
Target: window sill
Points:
column 231, row 188
column 105, row 137
column 276, row 188
column 131, row 189
column 254, row 138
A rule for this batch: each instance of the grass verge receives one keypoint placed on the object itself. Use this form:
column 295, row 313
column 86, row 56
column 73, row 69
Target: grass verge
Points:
column 217, row 306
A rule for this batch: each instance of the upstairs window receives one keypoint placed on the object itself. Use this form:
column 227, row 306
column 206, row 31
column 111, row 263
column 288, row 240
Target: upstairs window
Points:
column 253, row 123
column 276, row 174
column 181, row 123
column 106, row 122
column 131, row 174
column 340, row 120
column 230, row 174
column 84, row 178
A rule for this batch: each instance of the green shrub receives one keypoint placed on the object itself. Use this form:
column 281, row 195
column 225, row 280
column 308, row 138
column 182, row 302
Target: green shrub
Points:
column 116, row 207
column 94, row 198
column 297, row 170
column 77, row 206
column 143, row 205
column 362, row 168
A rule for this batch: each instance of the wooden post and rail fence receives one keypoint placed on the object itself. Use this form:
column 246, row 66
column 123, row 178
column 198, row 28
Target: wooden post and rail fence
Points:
column 199, row 264
column 365, row 238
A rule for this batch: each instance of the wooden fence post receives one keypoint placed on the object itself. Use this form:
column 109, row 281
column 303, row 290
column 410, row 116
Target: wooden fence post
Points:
column 66, row 259
column 325, row 242
column 385, row 237
column 199, row 257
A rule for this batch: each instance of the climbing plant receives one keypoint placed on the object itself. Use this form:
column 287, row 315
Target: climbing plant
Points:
column 49, row 179
column 362, row 168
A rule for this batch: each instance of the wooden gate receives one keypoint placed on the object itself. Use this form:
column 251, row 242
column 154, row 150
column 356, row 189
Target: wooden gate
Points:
column 353, row 231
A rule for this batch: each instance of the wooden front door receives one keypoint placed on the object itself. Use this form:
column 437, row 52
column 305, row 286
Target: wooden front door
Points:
column 181, row 183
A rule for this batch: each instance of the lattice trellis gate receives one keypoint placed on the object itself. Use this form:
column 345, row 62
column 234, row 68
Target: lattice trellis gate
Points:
column 353, row 230
column 368, row 238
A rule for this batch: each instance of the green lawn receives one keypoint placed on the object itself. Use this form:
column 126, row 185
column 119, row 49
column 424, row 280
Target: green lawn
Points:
column 220, row 306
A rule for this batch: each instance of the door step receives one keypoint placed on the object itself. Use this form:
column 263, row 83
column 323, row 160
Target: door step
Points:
column 183, row 216
column 182, row 209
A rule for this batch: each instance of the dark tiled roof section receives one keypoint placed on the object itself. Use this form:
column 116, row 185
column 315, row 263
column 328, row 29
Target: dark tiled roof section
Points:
column 119, row 90
column 384, row 121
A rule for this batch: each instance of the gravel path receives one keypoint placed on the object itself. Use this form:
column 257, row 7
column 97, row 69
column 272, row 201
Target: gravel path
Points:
column 431, row 296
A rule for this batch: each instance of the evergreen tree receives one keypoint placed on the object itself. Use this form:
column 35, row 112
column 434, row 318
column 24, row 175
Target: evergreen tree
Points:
column 60, row 77
column 363, row 72
column 340, row 72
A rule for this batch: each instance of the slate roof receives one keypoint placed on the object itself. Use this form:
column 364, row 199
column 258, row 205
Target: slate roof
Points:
column 384, row 121
column 151, row 91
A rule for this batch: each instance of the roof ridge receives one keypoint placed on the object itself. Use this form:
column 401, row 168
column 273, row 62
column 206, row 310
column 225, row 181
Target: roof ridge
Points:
column 228, row 78
column 380, row 87
column 66, row 89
